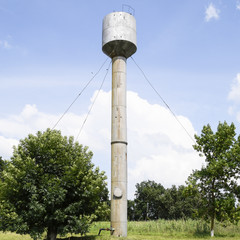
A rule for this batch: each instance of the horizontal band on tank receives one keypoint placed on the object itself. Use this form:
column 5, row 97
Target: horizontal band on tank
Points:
column 119, row 142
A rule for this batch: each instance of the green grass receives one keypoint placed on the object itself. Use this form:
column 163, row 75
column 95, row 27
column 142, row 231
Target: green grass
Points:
column 162, row 229
column 155, row 230
column 13, row 236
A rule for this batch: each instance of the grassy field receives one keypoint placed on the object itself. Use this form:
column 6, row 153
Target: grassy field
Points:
column 154, row 230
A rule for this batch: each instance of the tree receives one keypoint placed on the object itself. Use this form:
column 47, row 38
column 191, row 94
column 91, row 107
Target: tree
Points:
column 149, row 201
column 153, row 202
column 131, row 210
column 51, row 184
column 217, row 180
column 2, row 165
column 178, row 205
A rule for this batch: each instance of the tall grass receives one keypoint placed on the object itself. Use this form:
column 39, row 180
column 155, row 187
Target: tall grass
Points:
column 13, row 236
column 188, row 227
column 157, row 230
column 183, row 228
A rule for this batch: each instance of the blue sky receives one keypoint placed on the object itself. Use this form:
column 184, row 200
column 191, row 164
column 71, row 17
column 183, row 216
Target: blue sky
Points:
column 189, row 50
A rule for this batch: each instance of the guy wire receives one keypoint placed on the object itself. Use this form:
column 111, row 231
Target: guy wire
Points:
column 79, row 94
column 163, row 100
column 93, row 101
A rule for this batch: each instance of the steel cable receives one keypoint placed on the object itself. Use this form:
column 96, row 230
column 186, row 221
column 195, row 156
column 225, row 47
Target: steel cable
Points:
column 93, row 101
column 163, row 100
column 79, row 94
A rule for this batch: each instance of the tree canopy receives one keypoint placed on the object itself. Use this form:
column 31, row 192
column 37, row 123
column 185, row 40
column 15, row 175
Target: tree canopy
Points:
column 216, row 182
column 51, row 185
column 2, row 164
column 152, row 201
column 148, row 200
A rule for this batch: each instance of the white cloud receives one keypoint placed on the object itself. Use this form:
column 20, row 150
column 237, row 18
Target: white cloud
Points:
column 5, row 44
column 234, row 97
column 234, row 94
column 170, row 167
column 158, row 147
column 238, row 116
column 28, row 121
column 238, row 5
column 211, row 13
column 231, row 110
column 6, row 146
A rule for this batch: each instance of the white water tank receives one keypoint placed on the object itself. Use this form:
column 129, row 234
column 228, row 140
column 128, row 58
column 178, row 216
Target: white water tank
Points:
column 119, row 34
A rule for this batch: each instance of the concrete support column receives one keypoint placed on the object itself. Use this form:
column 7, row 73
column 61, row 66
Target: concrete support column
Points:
column 119, row 148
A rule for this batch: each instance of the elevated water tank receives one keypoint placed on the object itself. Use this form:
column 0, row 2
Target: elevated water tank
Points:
column 119, row 35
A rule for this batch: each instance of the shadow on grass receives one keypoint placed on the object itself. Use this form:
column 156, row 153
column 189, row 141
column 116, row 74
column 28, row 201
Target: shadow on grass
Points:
column 201, row 235
column 202, row 230
column 79, row 238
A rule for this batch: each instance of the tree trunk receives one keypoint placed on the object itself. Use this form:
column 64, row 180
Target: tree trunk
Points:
column 212, row 225
column 52, row 233
column 213, row 213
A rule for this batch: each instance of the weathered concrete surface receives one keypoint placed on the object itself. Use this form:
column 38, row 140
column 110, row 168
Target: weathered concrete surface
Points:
column 119, row 148
column 119, row 43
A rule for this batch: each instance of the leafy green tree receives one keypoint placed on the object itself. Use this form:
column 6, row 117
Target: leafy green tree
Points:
column 131, row 210
column 153, row 201
column 178, row 205
column 149, row 201
column 2, row 165
column 51, row 185
column 216, row 182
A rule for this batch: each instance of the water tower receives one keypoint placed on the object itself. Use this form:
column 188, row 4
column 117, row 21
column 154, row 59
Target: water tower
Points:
column 119, row 43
